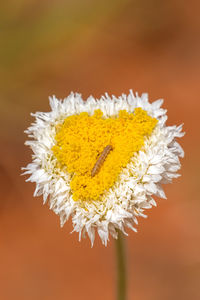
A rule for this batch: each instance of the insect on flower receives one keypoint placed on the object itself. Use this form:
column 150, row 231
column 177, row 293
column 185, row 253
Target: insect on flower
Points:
column 65, row 144
column 101, row 160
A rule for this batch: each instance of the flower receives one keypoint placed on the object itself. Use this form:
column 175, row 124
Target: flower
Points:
column 101, row 161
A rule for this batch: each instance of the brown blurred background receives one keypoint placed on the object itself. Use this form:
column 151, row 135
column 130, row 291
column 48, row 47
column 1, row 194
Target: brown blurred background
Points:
column 96, row 46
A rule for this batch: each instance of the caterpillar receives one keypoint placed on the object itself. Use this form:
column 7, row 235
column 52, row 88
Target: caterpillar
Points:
column 101, row 160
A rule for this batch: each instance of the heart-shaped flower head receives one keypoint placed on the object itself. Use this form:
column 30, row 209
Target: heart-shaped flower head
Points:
column 101, row 161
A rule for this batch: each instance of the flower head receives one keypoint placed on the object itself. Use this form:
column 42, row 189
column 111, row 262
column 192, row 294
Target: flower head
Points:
column 101, row 161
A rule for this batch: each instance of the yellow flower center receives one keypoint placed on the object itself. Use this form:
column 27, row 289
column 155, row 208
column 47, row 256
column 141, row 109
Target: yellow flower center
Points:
column 81, row 139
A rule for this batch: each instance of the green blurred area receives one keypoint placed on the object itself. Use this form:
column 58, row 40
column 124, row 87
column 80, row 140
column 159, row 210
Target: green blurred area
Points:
column 52, row 43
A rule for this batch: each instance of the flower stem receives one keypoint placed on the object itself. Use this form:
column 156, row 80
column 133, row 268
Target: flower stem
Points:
column 121, row 267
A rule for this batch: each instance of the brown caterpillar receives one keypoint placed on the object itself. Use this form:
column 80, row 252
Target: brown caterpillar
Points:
column 101, row 160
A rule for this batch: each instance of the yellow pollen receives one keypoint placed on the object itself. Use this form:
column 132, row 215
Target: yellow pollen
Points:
column 81, row 139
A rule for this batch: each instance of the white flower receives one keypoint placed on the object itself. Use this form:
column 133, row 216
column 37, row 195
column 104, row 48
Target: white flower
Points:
column 156, row 163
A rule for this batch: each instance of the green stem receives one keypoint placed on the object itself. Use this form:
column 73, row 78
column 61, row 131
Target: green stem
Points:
column 121, row 267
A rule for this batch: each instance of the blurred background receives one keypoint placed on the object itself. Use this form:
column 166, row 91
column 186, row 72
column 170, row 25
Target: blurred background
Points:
column 94, row 46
